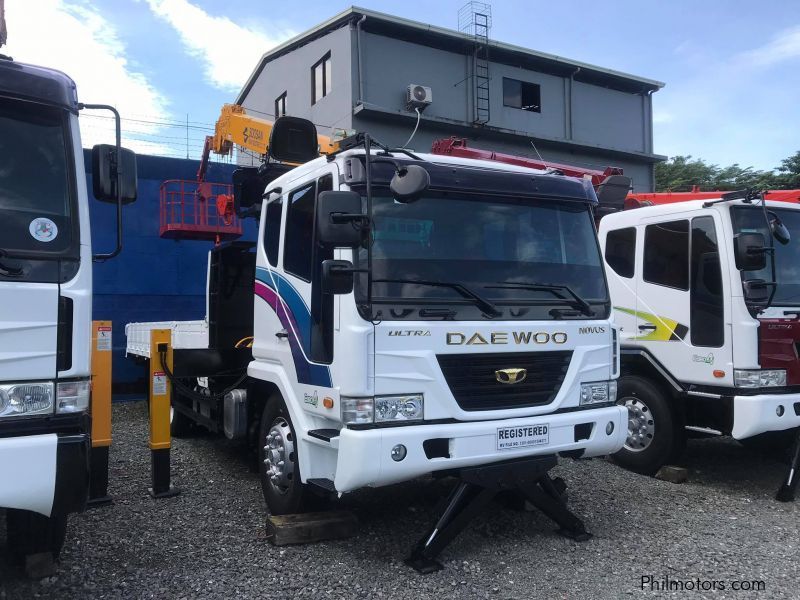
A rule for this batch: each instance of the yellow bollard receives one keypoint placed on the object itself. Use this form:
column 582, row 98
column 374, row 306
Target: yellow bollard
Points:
column 160, row 389
column 101, row 413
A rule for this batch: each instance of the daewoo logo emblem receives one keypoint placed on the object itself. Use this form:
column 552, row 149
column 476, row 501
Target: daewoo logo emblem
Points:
column 511, row 376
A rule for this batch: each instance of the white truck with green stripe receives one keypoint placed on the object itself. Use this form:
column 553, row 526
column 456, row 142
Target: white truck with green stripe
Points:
column 706, row 295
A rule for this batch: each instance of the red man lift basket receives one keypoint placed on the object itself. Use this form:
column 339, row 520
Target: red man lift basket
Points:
column 192, row 210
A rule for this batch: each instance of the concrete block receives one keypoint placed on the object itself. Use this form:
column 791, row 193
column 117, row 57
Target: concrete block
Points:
column 672, row 474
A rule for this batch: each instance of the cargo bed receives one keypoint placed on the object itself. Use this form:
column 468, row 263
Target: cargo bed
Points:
column 186, row 335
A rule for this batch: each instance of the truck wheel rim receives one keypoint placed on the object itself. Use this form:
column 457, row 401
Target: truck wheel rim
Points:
column 279, row 456
column 641, row 427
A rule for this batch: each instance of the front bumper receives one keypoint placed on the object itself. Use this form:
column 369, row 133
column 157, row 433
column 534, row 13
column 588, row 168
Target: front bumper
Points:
column 364, row 455
column 46, row 473
column 759, row 414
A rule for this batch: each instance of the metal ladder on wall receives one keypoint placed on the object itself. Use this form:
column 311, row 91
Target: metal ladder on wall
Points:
column 481, row 24
column 475, row 20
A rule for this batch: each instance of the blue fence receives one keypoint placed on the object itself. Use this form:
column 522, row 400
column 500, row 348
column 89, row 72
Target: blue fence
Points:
column 153, row 279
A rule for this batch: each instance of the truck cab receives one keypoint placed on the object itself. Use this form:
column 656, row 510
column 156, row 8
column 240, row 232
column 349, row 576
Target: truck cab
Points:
column 706, row 296
column 399, row 334
column 45, row 306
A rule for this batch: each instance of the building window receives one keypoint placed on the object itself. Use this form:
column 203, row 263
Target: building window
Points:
column 666, row 254
column 297, row 247
column 321, row 79
column 280, row 105
column 621, row 251
column 522, row 94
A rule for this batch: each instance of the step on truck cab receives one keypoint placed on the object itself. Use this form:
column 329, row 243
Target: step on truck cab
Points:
column 410, row 314
column 46, row 301
column 706, row 296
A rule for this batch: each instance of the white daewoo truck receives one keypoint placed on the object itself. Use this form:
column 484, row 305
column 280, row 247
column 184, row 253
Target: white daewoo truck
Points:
column 46, row 300
column 706, row 296
column 408, row 314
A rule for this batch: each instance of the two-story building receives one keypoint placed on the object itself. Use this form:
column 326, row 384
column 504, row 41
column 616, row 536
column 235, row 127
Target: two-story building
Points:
column 353, row 72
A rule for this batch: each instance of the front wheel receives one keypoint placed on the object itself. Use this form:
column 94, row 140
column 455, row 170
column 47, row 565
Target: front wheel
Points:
column 653, row 438
column 279, row 469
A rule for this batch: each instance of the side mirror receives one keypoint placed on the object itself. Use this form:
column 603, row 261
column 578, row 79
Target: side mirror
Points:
column 337, row 276
column 293, row 140
column 248, row 187
column 749, row 251
column 756, row 292
column 105, row 166
column 779, row 230
column 339, row 220
column 409, row 183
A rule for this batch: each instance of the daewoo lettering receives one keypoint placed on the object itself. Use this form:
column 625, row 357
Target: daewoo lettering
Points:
column 519, row 338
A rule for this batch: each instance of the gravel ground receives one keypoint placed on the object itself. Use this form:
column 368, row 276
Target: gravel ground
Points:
column 722, row 525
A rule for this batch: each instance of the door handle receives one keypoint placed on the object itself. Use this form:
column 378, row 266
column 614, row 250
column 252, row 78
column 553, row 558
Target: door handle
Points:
column 282, row 334
column 647, row 327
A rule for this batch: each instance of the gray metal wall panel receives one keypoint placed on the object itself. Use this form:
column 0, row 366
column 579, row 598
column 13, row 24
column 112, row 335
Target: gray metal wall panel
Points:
column 549, row 122
column 607, row 117
column 391, row 65
column 394, row 134
column 292, row 73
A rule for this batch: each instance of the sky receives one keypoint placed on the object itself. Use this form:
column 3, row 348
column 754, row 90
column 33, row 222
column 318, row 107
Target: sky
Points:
column 731, row 67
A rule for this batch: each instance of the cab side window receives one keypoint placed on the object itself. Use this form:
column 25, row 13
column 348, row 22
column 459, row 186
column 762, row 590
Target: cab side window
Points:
column 272, row 230
column 297, row 249
column 707, row 325
column 666, row 254
column 621, row 251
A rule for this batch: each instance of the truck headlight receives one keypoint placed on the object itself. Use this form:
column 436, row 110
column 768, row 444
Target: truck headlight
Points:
column 758, row 378
column 26, row 399
column 381, row 409
column 72, row 396
column 598, row 392
column 398, row 408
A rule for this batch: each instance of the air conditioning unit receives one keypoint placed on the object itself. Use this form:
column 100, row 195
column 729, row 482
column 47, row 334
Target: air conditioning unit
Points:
column 418, row 96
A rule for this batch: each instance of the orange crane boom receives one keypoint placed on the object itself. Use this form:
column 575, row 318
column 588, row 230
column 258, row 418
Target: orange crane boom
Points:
column 235, row 127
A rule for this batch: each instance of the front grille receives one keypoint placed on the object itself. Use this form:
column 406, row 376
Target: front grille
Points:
column 474, row 384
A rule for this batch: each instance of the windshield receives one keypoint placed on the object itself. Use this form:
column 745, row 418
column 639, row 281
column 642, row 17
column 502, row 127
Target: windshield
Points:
column 35, row 190
column 750, row 219
column 528, row 258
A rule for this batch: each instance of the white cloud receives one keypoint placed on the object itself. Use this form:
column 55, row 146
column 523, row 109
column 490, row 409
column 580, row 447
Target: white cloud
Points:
column 785, row 45
column 74, row 38
column 228, row 50
column 732, row 109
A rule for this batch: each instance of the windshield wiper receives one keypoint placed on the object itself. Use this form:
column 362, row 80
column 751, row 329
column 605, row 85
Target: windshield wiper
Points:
column 576, row 301
column 487, row 307
column 8, row 271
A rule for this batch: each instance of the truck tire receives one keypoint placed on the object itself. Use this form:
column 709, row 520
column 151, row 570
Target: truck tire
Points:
column 31, row 533
column 278, row 467
column 654, row 435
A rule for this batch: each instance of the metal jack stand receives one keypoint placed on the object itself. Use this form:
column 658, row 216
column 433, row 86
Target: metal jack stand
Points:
column 478, row 486
column 160, row 401
column 787, row 491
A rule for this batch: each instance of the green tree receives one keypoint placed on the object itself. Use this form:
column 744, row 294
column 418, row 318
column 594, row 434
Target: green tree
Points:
column 788, row 177
column 682, row 173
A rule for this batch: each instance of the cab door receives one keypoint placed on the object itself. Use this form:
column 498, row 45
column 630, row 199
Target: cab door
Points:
column 619, row 252
column 680, row 310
